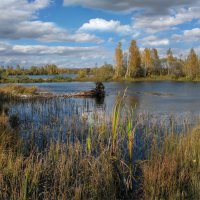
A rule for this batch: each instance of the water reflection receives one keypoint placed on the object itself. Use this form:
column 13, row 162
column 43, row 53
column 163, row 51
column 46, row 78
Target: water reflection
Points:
column 68, row 120
column 132, row 101
column 152, row 98
column 99, row 101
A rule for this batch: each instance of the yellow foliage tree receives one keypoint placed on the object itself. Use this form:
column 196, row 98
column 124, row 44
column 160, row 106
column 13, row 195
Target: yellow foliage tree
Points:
column 134, row 63
column 192, row 65
column 156, row 61
column 119, row 70
column 170, row 60
column 147, row 61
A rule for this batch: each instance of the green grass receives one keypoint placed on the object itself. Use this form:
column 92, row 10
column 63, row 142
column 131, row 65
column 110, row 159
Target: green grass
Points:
column 158, row 78
column 35, row 80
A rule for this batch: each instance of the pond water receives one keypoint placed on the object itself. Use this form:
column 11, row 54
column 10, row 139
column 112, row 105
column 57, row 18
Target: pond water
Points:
column 155, row 102
column 154, row 97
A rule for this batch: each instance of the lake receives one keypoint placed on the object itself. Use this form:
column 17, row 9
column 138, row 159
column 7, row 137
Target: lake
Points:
column 154, row 102
column 156, row 97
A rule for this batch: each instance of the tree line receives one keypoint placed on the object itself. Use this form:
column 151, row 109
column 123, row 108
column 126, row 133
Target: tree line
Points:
column 136, row 63
column 35, row 70
column 105, row 71
column 128, row 64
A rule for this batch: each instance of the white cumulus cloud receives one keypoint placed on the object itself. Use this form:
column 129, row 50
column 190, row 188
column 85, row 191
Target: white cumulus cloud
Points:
column 106, row 26
column 154, row 41
column 18, row 20
column 188, row 35
column 63, row 56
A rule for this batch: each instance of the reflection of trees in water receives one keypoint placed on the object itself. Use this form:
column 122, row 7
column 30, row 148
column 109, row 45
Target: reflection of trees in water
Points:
column 7, row 131
column 89, row 104
column 99, row 101
column 132, row 101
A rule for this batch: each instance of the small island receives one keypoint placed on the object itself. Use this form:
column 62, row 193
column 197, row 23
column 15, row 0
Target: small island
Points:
column 22, row 92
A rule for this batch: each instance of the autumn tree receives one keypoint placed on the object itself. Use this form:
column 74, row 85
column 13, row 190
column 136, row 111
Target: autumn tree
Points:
column 170, row 60
column 134, row 63
column 119, row 69
column 106, row 71
column 125, row 60
column 156, row 61
column 192, row 64
column 10, row 70
column 147, row 61
column 82, row 73
column 52, row 69
column 1, row 74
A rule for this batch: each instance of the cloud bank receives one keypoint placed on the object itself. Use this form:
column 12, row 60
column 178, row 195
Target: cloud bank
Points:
column 18, row 20
column 154, row 7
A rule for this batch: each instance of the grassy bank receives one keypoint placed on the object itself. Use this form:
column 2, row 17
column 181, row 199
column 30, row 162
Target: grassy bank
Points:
column 99, row 161
column 97, row 79
column 35, row 80
column 158, row 78
column 12, row 91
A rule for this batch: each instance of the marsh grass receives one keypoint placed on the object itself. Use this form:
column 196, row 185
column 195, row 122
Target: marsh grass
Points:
column 99, row 159
column 173, row 168
column 10, row 91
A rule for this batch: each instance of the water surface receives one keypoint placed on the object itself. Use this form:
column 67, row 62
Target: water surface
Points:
column 156, row 103
column 155, row 97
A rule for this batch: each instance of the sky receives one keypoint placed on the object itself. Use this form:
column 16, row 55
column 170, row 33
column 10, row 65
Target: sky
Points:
column 85, row 33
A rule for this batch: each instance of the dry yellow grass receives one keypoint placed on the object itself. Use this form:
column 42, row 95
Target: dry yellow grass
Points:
column 3, row 119
column 173, row 169
column 15, row 90
column 101, row 167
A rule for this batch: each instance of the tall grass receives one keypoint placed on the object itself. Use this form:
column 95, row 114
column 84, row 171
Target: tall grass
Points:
column 95, row 161
column 173, row 168
column 17, row 90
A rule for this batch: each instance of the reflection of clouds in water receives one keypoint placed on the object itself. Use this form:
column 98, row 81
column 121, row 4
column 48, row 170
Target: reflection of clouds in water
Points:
column 95, row 117
column 139, row 95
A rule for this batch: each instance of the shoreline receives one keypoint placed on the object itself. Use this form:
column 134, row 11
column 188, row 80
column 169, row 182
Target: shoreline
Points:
column 96, row 79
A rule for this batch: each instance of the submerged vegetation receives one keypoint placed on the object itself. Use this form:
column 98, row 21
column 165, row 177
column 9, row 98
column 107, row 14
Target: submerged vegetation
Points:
column 99, row 159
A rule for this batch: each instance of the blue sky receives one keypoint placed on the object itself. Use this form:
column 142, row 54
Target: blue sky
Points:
column 81, row 33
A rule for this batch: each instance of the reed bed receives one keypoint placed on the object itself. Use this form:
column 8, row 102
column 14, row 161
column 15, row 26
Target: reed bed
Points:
column 18, row 89
column 128, row 156
column 172, row 170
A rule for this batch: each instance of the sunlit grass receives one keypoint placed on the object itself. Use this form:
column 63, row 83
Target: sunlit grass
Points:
column 173, row 168
column 98, row 160
column 15, row 90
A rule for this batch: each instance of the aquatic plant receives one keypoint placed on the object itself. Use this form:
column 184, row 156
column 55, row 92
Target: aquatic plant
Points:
column 96, row 160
